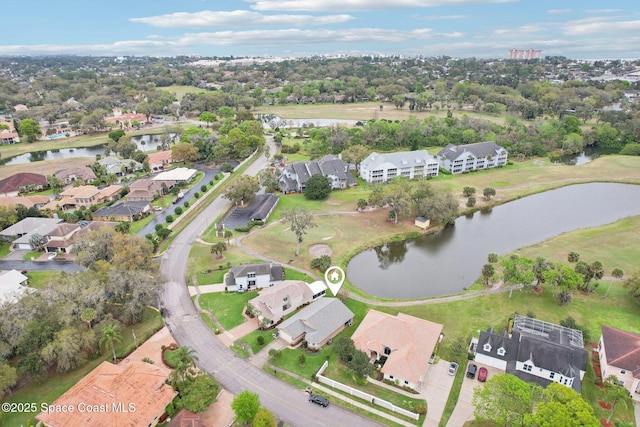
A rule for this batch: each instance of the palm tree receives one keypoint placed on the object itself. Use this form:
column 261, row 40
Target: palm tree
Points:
column 88, row 316
column 616, row 394
column 110, row 334
column 185, row 360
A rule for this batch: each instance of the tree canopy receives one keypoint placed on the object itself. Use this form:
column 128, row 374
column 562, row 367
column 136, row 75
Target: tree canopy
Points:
column 243, row 188
column 317, row 187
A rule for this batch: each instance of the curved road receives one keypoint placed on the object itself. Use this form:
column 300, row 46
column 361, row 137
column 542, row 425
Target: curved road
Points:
column 288, row 403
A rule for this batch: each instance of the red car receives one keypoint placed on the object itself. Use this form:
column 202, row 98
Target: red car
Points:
column 482, row 374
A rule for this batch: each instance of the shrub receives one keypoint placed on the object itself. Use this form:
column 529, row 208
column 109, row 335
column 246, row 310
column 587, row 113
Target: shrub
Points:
column 186, row 204
column 322, row 263
column 275, row 354
column 196, row 195
column 211, row 182
column 163, row 233
column 362, row 203
column 468, row 191
column 317, row 188
column 203, row 188
column 169, row 219
column 260, row 340
column 631, row 149
column 242, row 229
column 471, row 202
column 226, row 167
column 158, row 227
column 178, row 210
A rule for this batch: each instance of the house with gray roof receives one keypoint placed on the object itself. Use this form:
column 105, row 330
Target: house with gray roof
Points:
column 317, row 323
column 295, row 175
column 536, row 351
column 122, row 211
column 13, row 286
column 379, row 168
column 22, row 231
column 120, row 167
column 470, row 157
column 246, row 277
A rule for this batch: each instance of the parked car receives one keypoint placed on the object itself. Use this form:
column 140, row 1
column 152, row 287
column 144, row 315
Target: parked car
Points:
column 482, row 375
column 432, row 358
column 471, row 370
column 52, row 255
column 453, row 368
column 318, row 400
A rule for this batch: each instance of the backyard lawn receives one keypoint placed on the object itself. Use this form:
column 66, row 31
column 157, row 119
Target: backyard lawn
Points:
column 210, row 270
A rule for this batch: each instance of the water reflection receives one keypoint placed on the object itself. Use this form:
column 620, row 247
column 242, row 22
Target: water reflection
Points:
column 391, row 253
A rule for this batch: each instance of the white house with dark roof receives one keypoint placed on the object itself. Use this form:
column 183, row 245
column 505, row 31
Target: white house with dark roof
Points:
column 619, row 353
column 275, row 302
column 536, row 351
column 378, row 168
column 466, row 158
column 317, row 323
column 246, row 277
column 295, row 175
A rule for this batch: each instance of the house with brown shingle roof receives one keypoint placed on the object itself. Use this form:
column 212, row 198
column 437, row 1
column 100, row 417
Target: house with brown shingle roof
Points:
column 283, row 298
column 402, row 343
column 82, row 173
column 27, row 202
column 125, row 395
column 12, row 185
column 147, row 189
column 619, row 353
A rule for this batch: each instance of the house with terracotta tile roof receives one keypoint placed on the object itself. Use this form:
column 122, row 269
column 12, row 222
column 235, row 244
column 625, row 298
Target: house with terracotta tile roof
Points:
column 159, row 160
column 126, row 395
column 285, row 297
column 8, row 137
column 82, row 173
column 402, row 344
column 126, row 120
column 27, row 202
column 13, row 185
column 619, row 353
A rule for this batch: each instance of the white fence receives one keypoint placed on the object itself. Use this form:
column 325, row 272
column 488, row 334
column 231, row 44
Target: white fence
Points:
column 362, row 395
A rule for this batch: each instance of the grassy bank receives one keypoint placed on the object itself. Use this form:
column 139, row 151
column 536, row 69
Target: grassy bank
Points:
column 210, row 270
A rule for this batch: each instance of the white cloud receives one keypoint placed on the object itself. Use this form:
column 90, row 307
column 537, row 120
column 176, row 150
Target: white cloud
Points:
column 599, row 25
column 440, row 17
column 353, row 5
column 558, row 11
column 236, row 18
column 602, row 10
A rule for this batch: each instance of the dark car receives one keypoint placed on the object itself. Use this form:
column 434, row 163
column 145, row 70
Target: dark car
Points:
column 471, row 370
column 318, row 400
column 482, row 375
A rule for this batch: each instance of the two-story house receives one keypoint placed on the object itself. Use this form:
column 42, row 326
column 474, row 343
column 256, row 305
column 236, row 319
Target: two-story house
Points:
column 148, row 189
column 379, row 168
column 246, row 277
column 466, row 158
column 536, row 351
column 81, row 173
column 295, row 175
column 277, row 301
column 619, row 353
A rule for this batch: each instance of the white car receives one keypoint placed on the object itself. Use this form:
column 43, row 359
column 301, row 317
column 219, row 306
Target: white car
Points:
column 52, row 255
column 157, row 208
column 453, row 368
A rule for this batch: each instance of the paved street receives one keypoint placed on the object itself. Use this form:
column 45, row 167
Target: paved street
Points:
column 66, row 266
column 234, row 374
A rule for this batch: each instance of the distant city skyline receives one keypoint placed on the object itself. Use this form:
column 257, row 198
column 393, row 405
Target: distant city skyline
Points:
column 291, row 28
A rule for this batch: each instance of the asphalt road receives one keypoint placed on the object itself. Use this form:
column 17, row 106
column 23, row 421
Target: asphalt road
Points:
column 66, row 266
column 288, row 403
column 161, row 217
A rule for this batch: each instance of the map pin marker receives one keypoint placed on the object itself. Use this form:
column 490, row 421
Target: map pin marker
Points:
column 334, row 277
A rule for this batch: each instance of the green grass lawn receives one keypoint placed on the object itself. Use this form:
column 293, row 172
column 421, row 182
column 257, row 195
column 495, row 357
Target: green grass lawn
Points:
column 138, row 225
column 40, row 279
column 58, row 383
column 290, row 274
column 252, row 339
column 227, row 306
column 201, row 261
column 171, row 357
column 32, row 254
column 5, row 249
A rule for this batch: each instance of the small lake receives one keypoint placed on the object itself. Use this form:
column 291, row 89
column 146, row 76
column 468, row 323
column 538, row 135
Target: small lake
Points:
column 450, row 260
column 272, row 121
column 577, row 159
column 145, row 143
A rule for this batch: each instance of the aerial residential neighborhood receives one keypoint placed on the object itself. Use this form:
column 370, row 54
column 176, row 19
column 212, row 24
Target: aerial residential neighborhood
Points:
column 320, row 214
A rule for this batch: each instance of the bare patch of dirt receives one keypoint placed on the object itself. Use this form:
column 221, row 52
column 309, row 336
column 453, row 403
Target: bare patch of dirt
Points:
column 319, row 249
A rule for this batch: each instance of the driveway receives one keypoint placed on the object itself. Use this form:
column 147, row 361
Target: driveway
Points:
column 463, row 411
column 435, row 389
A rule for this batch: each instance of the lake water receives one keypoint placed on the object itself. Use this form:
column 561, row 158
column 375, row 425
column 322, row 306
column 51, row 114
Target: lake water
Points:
column 450, row 260
column 145, row 143
column 577, row 159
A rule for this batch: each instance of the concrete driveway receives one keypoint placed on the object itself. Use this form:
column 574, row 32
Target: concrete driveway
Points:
column 435, row 389
column 463, row 411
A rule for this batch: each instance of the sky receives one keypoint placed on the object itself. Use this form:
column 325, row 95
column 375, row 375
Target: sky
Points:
column 585, row 29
